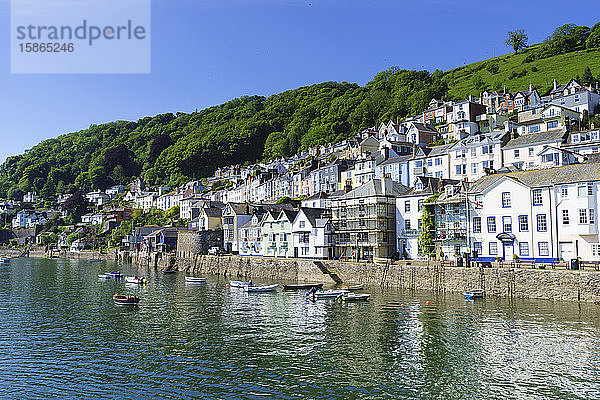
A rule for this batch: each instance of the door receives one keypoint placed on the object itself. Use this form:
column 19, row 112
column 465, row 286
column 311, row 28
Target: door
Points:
column 566, row 251
column 508, row 251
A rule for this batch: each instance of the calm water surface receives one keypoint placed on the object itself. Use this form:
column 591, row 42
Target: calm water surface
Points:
column 61, row 337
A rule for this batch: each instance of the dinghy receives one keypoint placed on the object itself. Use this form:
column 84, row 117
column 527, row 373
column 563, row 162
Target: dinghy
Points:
column 325, row 294
column 354, row 297
column 474, row 294
column 138, row 280
column 261, row 289
column 193, row 279
column 124, row 300
column 305, row 286
column 239, row 284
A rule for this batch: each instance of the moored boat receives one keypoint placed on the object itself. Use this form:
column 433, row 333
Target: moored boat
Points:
column 111, row 275
column 138, row 280
column 193, row 279
column 95, row 260
column 474, row 294
column 124, row 300
column 353, row 287
column 325, row 294
column 354, row 297
column 305, row 286
column 261, row 289
column 169, row 271
column 4, row 260
column 240, row 284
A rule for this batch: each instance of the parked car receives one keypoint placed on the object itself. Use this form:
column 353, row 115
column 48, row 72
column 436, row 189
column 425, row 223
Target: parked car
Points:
column 214, row 251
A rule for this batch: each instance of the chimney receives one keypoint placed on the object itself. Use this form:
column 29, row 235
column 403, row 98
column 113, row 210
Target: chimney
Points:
column 386, row 153
column 504, row 92
column 530, row 87
column 555, row 85
column 386, row 186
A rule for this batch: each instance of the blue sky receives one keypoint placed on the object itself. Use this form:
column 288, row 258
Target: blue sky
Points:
column 205, row 52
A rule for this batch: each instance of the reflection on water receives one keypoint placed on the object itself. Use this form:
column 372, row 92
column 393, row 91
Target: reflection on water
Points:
column 61, row 336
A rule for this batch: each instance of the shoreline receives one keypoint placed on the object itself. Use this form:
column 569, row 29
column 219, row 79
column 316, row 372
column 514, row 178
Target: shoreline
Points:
column 508, row 282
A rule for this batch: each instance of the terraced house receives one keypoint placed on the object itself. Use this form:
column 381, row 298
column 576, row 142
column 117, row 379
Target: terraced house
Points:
column 364, row 220
column 277, row 233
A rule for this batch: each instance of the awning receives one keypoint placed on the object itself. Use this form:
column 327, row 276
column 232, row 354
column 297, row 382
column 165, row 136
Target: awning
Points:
column 505, row 237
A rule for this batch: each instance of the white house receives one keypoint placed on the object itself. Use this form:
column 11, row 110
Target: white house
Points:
column 540, row 215
column 312, row 234
column 250, row 236
column 97, row 198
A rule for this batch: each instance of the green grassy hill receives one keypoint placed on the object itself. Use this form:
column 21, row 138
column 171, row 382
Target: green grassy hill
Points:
column 462, row 81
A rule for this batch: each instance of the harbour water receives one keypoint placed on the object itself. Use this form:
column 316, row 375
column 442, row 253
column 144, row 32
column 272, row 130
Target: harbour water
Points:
column 61, row 337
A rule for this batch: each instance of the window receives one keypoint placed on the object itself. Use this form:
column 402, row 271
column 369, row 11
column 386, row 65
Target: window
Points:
column 478, row 201
column 438, row 161
column 523, row 223
column 477, row 225
column 564, row 191
column 516, row 153
column 596, row 250
column 583, row 217
column 523, row 248
column 407, row 206
column 429, row 162
column 537, row 197
column 507, row 224
column 530, row 151
column 552, row 124
column 493, row 248
column 474, row 152
column 491, row 223
column 542, row 226
column 478, row 248
column 534, row 129
column 590, row 189
column 461, row 169
column 592, row 216
column 407, row 224
column 565, row 217
column 419, row 204
column 474, row 168
column 543, row 249
column 581, row 190
column 505, row 199
column 302, row 223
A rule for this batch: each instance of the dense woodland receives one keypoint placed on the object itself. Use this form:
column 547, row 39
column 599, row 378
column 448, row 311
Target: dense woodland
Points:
column 170, row 149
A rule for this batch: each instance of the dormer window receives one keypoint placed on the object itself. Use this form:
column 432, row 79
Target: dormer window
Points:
column 419, row 186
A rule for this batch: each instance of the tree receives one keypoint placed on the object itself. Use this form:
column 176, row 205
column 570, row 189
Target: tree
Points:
column 76, row 205
column 587, row 78
column 593, row 40
column 158, row 145
column 517, row 40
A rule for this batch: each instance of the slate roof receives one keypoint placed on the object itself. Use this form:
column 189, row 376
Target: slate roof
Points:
column 212, row 212
column 544, row 177
column 395, row 160
column 312, row 214
column 374, row 188
column 440, row 150
column 536, row 138
column 424, row 127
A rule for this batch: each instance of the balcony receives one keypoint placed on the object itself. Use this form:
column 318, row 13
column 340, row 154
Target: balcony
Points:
column 410, row 232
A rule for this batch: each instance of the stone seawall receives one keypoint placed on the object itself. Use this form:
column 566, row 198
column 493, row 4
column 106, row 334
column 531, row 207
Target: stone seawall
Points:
column 505, row 282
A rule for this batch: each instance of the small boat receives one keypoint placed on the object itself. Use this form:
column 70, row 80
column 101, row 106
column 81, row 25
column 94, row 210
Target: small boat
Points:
column 474, row 294
column 169, row 271
column 306, row 286
column 193, row 279
column 353, row 287
column 138, row 280
column 325, row 294
column 95, row 260
column 354, row 297
column 4, row 260
column 111, row 275
column 124, row 300
column 261, row 289
column 239, row 284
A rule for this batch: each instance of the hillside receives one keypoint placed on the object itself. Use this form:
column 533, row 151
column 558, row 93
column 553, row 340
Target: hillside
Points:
column 170, row 149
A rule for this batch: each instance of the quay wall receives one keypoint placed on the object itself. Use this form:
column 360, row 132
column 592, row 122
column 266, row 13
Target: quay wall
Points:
column 547, row 284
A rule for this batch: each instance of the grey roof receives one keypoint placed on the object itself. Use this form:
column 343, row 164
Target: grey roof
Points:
column 212, row 211
column 312, row 214
column 536, row 138
column 544, row 177
column 239, row 208
column 395, row 160
column 375, row 188
column 424, row 127
column 291, row 215
column 440, row 150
